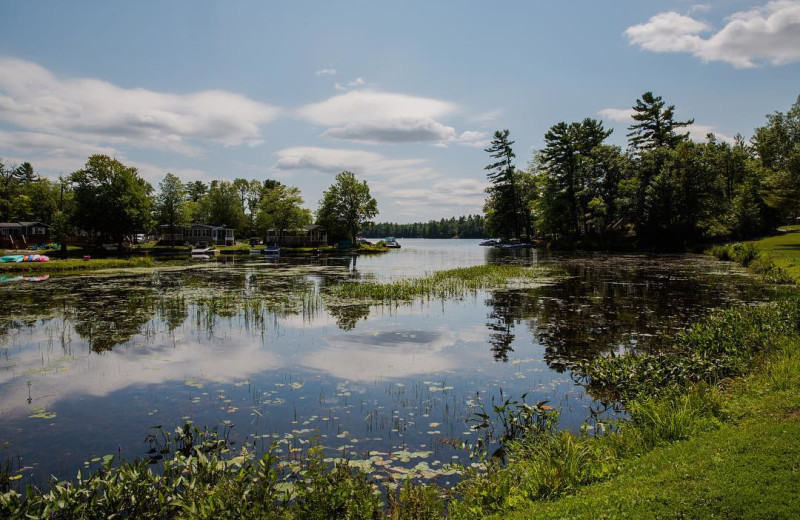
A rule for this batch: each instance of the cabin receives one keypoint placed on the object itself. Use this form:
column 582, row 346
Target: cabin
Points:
column 23, row 235
column 194, row 233
column 306, row 236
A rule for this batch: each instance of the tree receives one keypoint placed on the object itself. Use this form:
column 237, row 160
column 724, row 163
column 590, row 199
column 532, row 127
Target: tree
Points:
column 346, row 206
column 10, row 181
column 778, row 147
column 221, row 205
column 281, row 208
column 111, row 198
column 195, row 190
column 655, row 125
column 171, row 202
column 503, row 208
column 573, row 175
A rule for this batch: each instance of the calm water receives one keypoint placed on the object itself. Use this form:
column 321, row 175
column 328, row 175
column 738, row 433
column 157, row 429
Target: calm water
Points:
column 89, row 363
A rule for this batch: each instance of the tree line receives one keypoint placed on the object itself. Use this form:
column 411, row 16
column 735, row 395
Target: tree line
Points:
column 664, row 190
column 470, row 226
column 111, row 201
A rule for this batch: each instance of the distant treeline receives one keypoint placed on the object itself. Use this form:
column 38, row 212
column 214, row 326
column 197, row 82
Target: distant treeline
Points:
column 470, row 226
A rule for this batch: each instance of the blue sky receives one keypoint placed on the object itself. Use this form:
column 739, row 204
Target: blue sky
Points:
column 404, row 94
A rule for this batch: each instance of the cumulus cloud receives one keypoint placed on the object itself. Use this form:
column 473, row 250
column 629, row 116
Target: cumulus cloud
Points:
column 620, row 115
column 375, row 117
column 369, row 164
column 768, row 34
column 95, row 111
column 405, row 188
column 326, row 72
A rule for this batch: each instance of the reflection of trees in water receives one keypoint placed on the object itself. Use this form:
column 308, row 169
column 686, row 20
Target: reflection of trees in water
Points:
column 600, row 309
column 105, row 312
column 347, row 316
column 501, row 323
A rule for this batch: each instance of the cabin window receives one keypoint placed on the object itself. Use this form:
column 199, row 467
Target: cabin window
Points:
column 38, row 230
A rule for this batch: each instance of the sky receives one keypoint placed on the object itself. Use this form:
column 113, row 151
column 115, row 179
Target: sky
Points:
column 406, row 95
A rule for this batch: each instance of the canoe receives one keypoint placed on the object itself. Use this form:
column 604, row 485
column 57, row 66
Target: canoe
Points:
column 24, row 258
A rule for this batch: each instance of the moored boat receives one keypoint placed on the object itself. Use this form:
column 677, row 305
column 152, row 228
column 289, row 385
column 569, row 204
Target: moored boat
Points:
column 391, row 243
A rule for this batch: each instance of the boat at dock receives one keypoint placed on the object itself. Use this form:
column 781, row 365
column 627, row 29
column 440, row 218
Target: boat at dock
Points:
column 390, row 242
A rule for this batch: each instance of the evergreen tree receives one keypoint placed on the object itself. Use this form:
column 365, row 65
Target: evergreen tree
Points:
column 655, row 126
column 503, row 208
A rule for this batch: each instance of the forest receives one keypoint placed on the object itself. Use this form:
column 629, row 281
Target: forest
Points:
column 664, row 190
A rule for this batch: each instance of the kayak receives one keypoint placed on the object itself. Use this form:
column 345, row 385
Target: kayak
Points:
column 24, row 258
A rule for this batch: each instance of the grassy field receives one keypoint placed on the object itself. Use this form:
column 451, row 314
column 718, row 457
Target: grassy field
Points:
column 784, row 248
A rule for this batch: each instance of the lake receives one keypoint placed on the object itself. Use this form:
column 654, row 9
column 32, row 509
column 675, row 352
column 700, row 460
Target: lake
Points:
column 89, row 363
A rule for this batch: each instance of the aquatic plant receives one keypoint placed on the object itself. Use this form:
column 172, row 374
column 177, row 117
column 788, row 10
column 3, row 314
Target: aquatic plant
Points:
column 451, row 283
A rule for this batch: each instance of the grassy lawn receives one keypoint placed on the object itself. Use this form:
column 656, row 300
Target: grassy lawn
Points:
column 749, row 469
column 785, row 249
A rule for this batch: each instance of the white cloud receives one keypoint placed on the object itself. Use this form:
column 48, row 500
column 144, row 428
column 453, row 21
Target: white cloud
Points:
column 97, row 112
column 356, row 83
column 375, row 117
column 668, row 32
column 326, row 72
column 699, row 8
column 620, row 115
column 491, row 116
column 768, row 34
column 408, row 189
column 368, row 164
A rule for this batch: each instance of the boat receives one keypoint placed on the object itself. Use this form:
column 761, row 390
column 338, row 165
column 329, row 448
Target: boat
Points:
column 24, row 258
column 515, row 245
column 391, row 243
column 205, row 251
column 272, row 250
column 491, row 242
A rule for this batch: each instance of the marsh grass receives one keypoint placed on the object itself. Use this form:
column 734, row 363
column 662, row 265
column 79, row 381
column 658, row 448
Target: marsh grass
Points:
column 452, row 283
column 73, row 265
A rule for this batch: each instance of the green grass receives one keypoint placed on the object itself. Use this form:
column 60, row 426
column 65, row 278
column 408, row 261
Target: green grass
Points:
column 784, row 248
column 745, row 469
column 74, row 264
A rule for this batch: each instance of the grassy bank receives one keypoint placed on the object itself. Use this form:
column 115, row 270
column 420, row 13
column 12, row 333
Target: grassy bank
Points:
column 75, row 264
column 777, row 257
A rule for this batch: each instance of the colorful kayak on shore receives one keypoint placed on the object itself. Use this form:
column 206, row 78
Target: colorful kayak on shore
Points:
column 24, row 258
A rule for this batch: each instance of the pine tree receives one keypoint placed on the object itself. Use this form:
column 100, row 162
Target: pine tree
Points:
column 655, row 125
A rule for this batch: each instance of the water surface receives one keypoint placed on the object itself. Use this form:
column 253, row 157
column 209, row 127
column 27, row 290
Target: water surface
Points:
column 89, row 363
